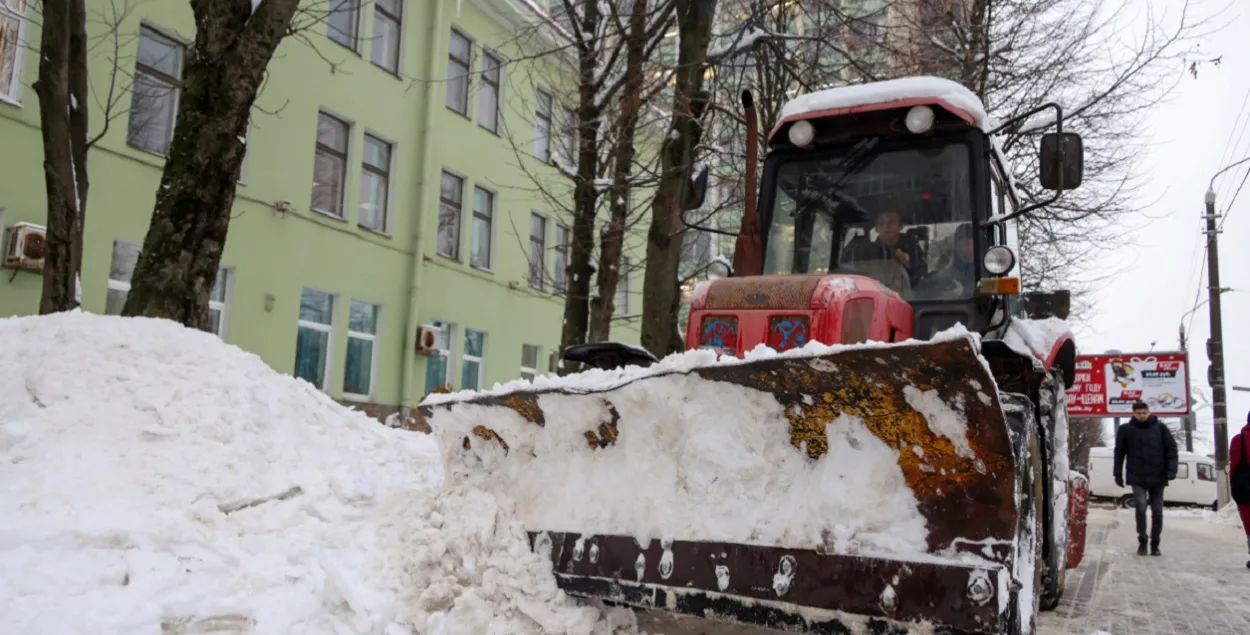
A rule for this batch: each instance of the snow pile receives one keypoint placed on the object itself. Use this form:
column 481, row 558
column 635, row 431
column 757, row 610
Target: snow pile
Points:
column 702, row 460
column 1226, row 516
column 154, row 479
column 885, row 92
column 1035, row 338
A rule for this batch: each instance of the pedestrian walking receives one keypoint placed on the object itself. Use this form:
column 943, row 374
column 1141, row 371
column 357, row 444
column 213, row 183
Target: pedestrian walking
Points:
column 1150, row 451
column 1239, row 476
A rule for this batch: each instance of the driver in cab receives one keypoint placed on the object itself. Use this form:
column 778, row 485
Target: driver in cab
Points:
column 954, row 278
column 891, row 243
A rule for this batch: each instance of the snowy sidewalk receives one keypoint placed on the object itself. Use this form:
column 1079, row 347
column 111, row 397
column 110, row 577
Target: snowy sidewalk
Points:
column 1199, row 585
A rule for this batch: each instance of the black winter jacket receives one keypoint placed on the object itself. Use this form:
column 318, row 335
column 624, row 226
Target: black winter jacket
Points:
column 1151, row 452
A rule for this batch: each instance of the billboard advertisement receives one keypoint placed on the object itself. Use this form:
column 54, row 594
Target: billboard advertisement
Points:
column 1107, row 385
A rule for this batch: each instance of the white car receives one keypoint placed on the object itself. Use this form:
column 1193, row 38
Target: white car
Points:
column 1194, row 483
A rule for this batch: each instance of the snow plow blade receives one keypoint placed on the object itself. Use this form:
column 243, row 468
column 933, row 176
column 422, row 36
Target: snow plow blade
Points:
column 851, row 489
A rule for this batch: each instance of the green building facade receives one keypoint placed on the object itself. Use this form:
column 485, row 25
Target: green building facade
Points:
column 389, row 183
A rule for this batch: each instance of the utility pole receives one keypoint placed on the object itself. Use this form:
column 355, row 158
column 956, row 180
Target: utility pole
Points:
column 1215, row 350
column 1189, row 421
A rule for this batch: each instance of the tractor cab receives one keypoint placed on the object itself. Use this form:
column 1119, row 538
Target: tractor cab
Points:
column 901, row 183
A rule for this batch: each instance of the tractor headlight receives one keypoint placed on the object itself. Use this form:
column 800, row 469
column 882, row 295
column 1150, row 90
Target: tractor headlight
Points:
column 802, row 133
column 919, row 119
column 999, row 260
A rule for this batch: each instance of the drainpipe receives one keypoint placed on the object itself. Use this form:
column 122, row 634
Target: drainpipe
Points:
column 407, row 400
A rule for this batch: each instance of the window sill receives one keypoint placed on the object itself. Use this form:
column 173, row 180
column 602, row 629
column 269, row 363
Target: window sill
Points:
column 494, row 132
column 354, row 398
column 393, row 73
column 464, row 115
column 376, row 232
column 354, row 49
column 10, row 101
column 151, row 153
column 455, row 259
column 482, row 269
column 328, row 215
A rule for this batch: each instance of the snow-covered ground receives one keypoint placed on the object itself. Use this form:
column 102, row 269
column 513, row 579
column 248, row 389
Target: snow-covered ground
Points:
column 154, row 480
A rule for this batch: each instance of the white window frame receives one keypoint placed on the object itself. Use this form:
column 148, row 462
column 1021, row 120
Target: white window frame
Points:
column 568, row 135
column 467, row 68
column 344, row 171
column 445, row 351
column 356, row 9
column 386, row 173
column 324, row 328
column 459, row 225
column 560, row 282
column 381, row 14
column 373, row 351
column 14, row 93
column 480, row 360
column 622, row 287
column 222, row 306
column 491, row 215
column 550, row 119
column 493, row 128
column 537, row 260
column 527, row 370
column 175, row 88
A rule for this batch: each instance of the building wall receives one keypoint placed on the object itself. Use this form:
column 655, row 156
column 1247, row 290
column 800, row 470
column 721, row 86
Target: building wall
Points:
column 273, row 255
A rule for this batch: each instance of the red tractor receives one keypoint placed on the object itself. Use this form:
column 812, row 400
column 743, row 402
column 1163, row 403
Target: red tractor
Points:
column 886, row 222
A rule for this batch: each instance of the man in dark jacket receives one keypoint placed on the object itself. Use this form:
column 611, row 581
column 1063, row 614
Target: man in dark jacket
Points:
column 1151, row 452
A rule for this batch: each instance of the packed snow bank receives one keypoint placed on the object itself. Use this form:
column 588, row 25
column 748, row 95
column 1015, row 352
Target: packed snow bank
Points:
column 695, row 459
column 1035, row 338
column 155, row 480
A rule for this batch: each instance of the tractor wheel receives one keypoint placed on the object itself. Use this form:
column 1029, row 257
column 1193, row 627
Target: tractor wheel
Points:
column 1052, row 407
column 1024, row 608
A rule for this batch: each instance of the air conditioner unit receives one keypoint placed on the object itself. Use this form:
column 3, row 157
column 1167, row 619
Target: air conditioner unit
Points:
column 428, row 339
column 26, row 247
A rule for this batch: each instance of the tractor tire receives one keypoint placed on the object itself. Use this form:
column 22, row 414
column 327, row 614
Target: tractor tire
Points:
column 1053, row 398
column 1024, row 608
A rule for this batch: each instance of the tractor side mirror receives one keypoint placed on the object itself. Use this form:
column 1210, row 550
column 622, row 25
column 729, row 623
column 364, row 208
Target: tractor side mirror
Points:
column 694, row 189
column 1062, row 161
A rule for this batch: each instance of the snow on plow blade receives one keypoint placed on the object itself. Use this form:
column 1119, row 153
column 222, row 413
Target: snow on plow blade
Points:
column 828, row 490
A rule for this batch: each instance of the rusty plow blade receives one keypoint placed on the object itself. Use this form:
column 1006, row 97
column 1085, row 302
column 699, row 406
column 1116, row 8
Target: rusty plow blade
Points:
column 863, row 489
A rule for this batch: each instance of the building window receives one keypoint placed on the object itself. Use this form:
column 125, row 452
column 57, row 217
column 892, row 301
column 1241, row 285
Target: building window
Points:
column 122, row 268
column 474, row 360
column 488, row 94
column 12, row 52
column 217, row 303
column 362, row 337
column 450, row 200
column 542, row 126
column 330, row 166
column 438, row 364
column 561, row 265
column 538, row 251
column 483, row 218
column 343, row 22
column 387, row 18
column 530, row 355
column 375, row 183
column 154, row 92
column 622, row 288
column 458, row 73
column 312, row 343
column 568, row 136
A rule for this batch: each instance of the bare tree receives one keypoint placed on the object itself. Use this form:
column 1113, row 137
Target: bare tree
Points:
column 597, row 65
column 225, row 67
column 661, row 295
column 63, row 87
column 1017, row 55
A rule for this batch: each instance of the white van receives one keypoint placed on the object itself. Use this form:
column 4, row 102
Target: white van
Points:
column 1194, row 484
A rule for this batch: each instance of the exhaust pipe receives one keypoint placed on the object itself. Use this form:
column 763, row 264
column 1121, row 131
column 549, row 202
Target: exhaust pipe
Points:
column 748, row 250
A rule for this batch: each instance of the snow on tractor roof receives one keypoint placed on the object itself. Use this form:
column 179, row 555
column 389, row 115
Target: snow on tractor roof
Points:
column 892, row 93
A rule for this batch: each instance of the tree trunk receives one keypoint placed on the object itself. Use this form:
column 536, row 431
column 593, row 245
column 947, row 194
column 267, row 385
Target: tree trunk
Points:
column 661, row 297
column 62, row 91
column 182, row 251
column 612, row 239
column 585, row 198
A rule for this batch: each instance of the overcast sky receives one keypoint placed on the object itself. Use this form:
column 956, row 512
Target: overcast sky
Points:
column 1197, row 132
